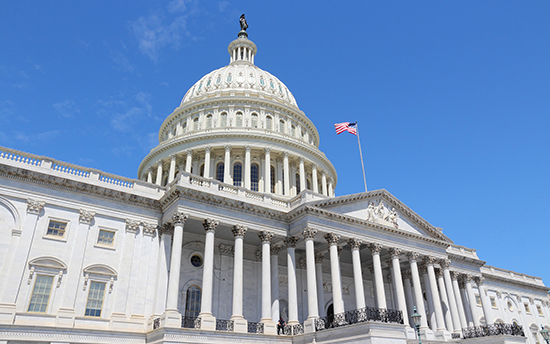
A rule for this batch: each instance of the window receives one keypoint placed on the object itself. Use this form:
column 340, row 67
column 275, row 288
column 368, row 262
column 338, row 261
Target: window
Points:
column 223, row 120
column 196, row 260
column 196, row 124
column 273, row 179
column 254, row 177
column 41, row 294
column 209, row 121
column 527, row 310
column 106, row 237
column 201, row 170
column 174, row 131
column 539, row 310
column 193, row 302
column 510, row 306
column 220, row 171
column 56, row 229
column 254, row 120
column 269, row 123
column 229, row 78
column 95, row 299
column 184, row 126
column 282, row 126
column 478, row 300
column 239, row 119
column 293, row 131
column 493, row 302
column 237, row 174
column 298, row 183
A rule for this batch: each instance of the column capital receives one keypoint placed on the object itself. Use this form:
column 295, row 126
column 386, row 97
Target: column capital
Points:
column 445, row 263
column 332, row 238
column 290, row 242
column 227, row 147
column 423, row 269
column 319, row 257
column 480, row 280
column 301, row 160
column 210, row 225
column 267, row 150
column 354, row 243
column 173, row 156
column 429, row 260
column 309, row 233
column 439, row 273
column 413, row 256
column 207, row 149
column 86, row 216
column 132, row 226
column 467, row 278
column 499, row 294
column 189, row 152
column 166, row 228
column 389, row 262
column 149, row 229
column 159, row 163
column 179, row 218
column 407, row 274
column 275, row 250
column 314, row 167
column 531, row 300
column 371, row 269
column 239, row 231
column 375, row 248
column 339, row 250
column 455, row 275
column 265, row 236
column 247, row 148
column 34, row 206
column 395, row 252
column 286, row 154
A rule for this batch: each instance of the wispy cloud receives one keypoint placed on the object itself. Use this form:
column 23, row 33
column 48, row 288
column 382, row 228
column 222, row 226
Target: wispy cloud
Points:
column 123, row 114
column 67, row 108
column 36, row 138
column 6, row 110
column 122, row 62
column 222, row 5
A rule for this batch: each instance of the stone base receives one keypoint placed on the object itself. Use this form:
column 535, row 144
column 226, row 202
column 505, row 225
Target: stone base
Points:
column 443, row 335
column 65, row 317
column 427, row 334
column 7, row 313
column 269, row 326
column 240, row 324
column 171, row 319
column 309, row 325
column 410, row 333
column 208, row 322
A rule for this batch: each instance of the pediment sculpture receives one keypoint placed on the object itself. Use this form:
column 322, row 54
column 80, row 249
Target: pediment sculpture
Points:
column 380, row 213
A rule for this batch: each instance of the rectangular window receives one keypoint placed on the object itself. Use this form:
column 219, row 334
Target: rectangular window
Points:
column 478, row 300
column 56, row 228
column 493, row 302
column 539, row 310
column 95, row 299
column 106, row 237
column 527, row 310
column 41, row 294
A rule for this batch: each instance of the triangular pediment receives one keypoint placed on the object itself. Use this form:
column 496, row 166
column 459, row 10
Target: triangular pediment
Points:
column 382, row 208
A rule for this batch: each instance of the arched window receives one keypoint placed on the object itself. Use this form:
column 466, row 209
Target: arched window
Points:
column 254, row 177
column 209, row 121
column 201, row 173
column 254, row 120
column 273, row 179
column 174, row 131
column 298, row 183
column 239, row 119
column 269, row 123
column 237, row 174
column 193, row 301
column 282, row 126
column 220, row 171
column 293, row 131
column 223, row 120
column 184, row 126
column 196, row 124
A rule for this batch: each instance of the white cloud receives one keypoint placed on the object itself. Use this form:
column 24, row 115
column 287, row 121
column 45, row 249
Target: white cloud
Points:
column 67, row 108
column 176, row 6
column 123, row 114
column 222, row 5
column 122, row 61
column 36, row 138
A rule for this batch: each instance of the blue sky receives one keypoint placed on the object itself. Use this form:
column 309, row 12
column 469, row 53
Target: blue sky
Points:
column 452, row 97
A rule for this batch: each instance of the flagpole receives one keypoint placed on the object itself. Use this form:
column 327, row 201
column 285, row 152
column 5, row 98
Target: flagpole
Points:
column 361, row 154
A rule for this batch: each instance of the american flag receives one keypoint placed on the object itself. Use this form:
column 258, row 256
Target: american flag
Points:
column 346, row 126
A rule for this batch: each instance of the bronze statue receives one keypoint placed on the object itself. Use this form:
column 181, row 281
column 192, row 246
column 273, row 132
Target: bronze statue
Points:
column 243, row 23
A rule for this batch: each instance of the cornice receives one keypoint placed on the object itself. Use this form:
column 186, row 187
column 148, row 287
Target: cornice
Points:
column 476, row 262
column 489, row 277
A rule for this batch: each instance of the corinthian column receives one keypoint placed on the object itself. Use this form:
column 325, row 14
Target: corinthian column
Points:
column 337, row 301
column 247, row 167
column 172, row 171
column 485, row 303
column 418, row 297
column 290, row 243
column 189, row 161
column 267, row 174
column 309, row 324
column 435, row 295
column 269, row 325
column 401, row 303
column 159, row 173
column 324, row 183
column 227, row 165
column 314, row 181
column 302, row 175
column 458, row 298
column 445, row 263
column 472, row 298
column 444, row 300
column 207, row 162
column 286, row 174
column 275, row 310
column 319, row 257
column 378, row 278
column 208, row 321
column 355, row 245
column 239, row 322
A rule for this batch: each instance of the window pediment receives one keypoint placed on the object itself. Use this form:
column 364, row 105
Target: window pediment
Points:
column 48, row 262
column 100, row 269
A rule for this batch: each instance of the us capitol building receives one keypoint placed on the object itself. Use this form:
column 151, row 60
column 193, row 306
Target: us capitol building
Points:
column 231, row 225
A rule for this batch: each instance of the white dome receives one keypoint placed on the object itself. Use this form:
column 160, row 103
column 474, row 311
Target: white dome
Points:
column 240, row 77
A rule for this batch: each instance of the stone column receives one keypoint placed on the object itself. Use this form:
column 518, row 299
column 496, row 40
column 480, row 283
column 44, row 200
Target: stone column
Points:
column 314, row 181
column 247, row 167
column 207, row 162
column 467, row 308
column 286, row 174
column 309, row 324
column 172, row 171
column 408, row 294
column 398, row 281
column 239, row 322
column 227, row 165
column 445, row 263
column 290, row 243
column 159, row 173
column 444, row 300
column 324, row 183
column 320, row 290
column 435, row 297
column 471, row 298
column 207, row 320
column 330, row 188
column 149, row 176
column 355, row 245
column 429, row 298
column 275, row 310
column 378, row 278
column 485, row 302
column 458, row 299
column 267, row 174
column 418, row 298
column 189, row 161
column 302, row 175
column 166, row 232
column 337, row 300
column 269, row 325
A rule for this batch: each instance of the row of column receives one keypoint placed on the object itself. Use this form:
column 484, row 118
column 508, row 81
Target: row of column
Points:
column 325, row 187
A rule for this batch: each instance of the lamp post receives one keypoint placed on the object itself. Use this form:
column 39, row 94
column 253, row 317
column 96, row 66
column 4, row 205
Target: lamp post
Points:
column 416, row 319
column 544, row 332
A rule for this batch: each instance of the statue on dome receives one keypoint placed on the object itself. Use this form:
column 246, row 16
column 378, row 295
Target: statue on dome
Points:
column 243, row 23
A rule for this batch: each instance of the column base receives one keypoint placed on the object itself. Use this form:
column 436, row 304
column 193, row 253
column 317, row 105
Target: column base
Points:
column 7, row 313
column 207, row 322
column 443, row 335
column 65, row 317
column 410, row 332
column 170, row 318
column 427, row 334
column 309, row 325
column 269, row 326
column 240, row 324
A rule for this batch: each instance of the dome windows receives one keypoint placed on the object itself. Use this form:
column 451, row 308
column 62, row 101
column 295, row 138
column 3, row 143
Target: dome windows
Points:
column 240, row 78
column 271, row 84
column 282, row 126
column 251, row 78
column 293, row 131
column 237, row 174
column 223, row 120
column 209, row 121
column 269, row 123
column 220, row 171
column 208, row 82
column 262, row 82
column 254, row 176
column 254, row 120
column 199, row 89
column 184, row 125
column 229, row 78
column 196, row 124
column 239, row 119
column 219, row 79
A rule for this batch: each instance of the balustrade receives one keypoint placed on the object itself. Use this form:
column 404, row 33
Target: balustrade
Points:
column 493, row 330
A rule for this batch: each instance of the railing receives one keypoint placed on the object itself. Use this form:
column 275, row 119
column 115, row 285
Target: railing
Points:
column 228, row 189
column 255, row 327
column 493, row 330
column 156, row 323
column 224, row 325
column 358, row 316
column 188, row 322
column 127, row 183
column 455, row 335
column 70, row 170
column 20, row 157
column 293, row 330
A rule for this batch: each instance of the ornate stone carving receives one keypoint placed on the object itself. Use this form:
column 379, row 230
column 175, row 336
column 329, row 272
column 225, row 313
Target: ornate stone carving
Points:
column 86, row 217
column 166, row 228
column 239, row 231
column 407, row 274
column 132, row 226
column 499, row 294
column 423, row 269
column 149, row 229
column 247, row 148
column 319, row 257
column 531, row 300
column 480, row 280
column 439, row 273
column 375, row 248
column 379, row 213
column 519, row 299
column 275, row 250
column 371, row 269
column 258, row 254
column 430, row 260
column 265, row 236
column 283, row 280
column 445, row 263
column 34, row 207
column 111, row 284
column 210, row 225
column 59, row 278
column 354, row 243
column 178, row 219
column 413, row 256
column 207, row 149
column 227, row 147
column 455, row 275
column 395, row 252
column 267, row 150
column 467, row 278
column 291, row 241
column 31, row 274
column 332, row 238
column 309, row 233
column 303, row 263
column 345, row 290
column 226, row 250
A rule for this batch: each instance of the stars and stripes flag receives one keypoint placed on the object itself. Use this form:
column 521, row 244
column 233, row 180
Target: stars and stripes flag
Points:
column 346, row 126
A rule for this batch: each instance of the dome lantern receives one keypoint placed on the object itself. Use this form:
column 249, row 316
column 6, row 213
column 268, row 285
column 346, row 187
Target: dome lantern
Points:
column 242, row 49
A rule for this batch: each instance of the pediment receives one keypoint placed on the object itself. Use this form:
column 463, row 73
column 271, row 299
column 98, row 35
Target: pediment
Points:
column 382, row 208
column 100, row 269
column 48, row 262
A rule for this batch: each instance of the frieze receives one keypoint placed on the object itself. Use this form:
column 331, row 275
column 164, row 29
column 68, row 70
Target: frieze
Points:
column 379, row 213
